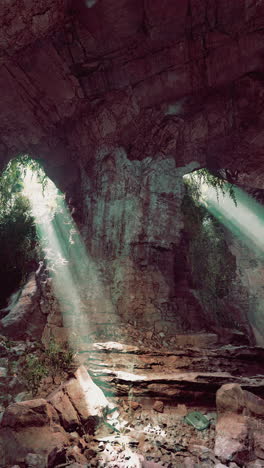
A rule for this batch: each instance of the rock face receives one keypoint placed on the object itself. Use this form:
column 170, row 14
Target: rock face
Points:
column 141, row 94
column 251, row 275
column 105, row 59
column 238, row 436
column 25, row 318
column 188, row 373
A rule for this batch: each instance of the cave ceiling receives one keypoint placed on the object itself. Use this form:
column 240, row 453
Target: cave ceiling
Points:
column 182, row 78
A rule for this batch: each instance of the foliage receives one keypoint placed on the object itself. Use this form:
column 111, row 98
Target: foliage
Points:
column 19, row 251
column 212, row 265
column 11, row 182
column 33, row 372
column 18, row 246
column 57, row 359
column 220, row 185
column 50, row 361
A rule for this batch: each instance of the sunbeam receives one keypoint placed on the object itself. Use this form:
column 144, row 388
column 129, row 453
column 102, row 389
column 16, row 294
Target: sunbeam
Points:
column 245, row 219
column 74, row 274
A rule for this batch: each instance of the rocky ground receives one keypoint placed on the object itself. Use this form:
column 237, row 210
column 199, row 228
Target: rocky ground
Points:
column 161, row 437
column 142, row 424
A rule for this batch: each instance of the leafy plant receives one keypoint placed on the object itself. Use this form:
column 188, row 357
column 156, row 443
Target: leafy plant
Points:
column 19, row 250
column 50, row 361
column 33, row 372
column 11, row 181
column 220, row 185
column 57, row 359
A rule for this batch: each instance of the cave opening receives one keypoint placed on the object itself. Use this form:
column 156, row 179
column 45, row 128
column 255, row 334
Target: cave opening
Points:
column 19, row 244
column 224, row 228
column 48, row 244
column 134, row 337
column 74, row 297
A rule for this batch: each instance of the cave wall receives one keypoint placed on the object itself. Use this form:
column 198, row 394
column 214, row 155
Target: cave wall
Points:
column 119, row 100
column 250, row 291
column 133, row 224
column 182, row 78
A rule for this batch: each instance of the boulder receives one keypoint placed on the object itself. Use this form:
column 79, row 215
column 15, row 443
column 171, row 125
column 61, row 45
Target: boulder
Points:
column 134, row 405
column 29, row 427
column 239, row 435
column 79, row 401
column 158, row 406
column 255, row 464
column 232, row 439
column 60, row 456
column 31, row 430
column 230, row 399
column 254, row 404
column 15, row 445
column 29, row 413
column 35, row 461
column 68, row 415
column 259, row 444
column 87, row 398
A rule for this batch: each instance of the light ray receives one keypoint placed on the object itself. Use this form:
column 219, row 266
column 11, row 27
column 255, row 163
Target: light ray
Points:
column 74, row 274
column 246, row 220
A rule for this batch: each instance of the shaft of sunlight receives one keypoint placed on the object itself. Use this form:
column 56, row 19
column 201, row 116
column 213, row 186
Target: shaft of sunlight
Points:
column 73, row 272
column 246, row 220
column 75, row 279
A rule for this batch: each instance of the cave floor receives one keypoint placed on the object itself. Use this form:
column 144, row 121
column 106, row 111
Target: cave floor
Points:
column 160, row 437
column 151, row 389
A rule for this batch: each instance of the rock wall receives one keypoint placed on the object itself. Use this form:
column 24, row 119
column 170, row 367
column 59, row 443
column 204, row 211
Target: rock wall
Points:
column 24, row 317
column 133, row 225
column 119, row 100
column 184, row 79
column 250, row 271
column 136, row 246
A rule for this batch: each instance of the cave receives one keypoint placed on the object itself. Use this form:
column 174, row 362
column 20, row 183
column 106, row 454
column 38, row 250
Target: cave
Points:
column 131, row 233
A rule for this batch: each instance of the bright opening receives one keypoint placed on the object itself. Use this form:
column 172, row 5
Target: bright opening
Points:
column 234, row 208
